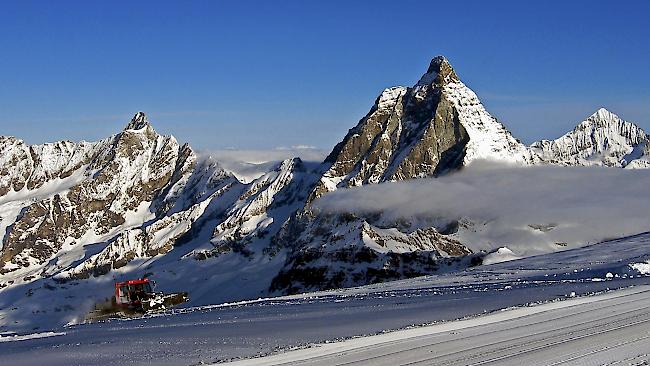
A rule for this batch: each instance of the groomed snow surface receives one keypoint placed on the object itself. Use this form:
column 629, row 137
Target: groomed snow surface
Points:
column 581, row 306
column 597, row 330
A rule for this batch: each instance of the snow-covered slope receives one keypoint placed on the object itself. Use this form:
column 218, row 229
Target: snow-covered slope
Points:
column 262, row 208
column 602, row 139
column 504, row 320
column 208, row 190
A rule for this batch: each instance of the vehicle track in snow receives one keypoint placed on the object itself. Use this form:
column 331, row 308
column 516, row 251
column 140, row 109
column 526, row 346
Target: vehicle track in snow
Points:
column 584, row 333
column 439, row 343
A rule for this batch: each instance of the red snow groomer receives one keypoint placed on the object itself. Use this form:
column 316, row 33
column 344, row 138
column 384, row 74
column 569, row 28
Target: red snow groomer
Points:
column 138, row 295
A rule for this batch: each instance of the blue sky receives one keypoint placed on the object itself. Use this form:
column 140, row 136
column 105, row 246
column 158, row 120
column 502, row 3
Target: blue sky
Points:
column 258, row 75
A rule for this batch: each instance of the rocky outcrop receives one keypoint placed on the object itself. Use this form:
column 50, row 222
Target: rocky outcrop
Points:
column 345, row 250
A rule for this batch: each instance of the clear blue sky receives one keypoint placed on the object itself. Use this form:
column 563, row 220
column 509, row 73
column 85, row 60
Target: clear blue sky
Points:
column 248, row 74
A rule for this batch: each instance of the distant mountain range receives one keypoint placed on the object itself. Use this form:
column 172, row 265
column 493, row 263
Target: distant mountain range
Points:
column 77, row 215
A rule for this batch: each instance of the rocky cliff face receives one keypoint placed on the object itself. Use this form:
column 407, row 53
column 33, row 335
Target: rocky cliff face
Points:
column 433, row 127
column 343, row 250
column 602, row 139
column 201, row 195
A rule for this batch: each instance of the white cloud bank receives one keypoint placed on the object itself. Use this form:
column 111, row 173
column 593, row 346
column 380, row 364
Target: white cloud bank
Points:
column 571, row 205
column 248, row 165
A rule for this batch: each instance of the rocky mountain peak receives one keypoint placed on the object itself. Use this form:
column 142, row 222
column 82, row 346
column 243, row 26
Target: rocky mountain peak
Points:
column 434, row 127
column 138, row 122
column 440, row 72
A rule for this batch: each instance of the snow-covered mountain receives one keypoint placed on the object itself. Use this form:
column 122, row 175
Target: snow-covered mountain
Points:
column 75, row 216
column 58, row 197
column 602, row 139
column 435, row 126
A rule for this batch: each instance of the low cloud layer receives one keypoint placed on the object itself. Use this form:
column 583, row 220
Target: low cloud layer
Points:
column 248, row 165
column 571, row 205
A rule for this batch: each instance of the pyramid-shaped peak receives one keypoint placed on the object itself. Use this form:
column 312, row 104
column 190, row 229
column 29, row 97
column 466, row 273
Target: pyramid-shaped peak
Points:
column 440, row 71
column 603, row 114
column 437, row 63
column 606, row 120
column 138, row 122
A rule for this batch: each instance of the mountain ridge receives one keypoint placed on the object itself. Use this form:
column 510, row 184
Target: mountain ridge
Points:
column 140, row 203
